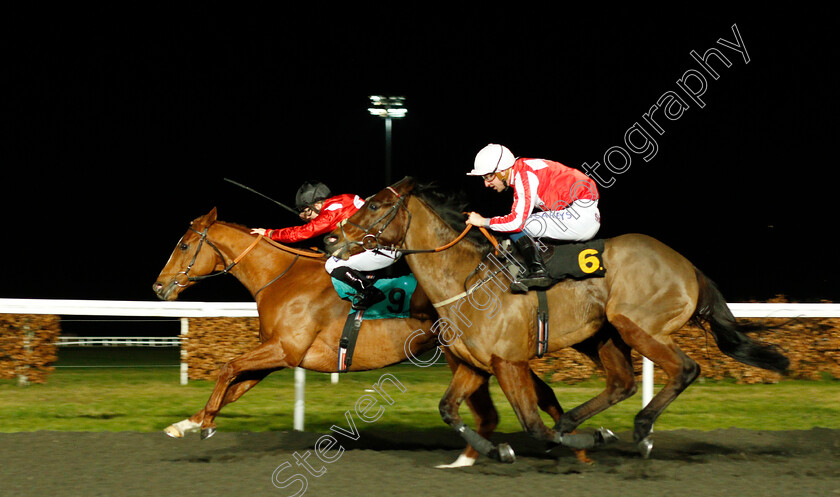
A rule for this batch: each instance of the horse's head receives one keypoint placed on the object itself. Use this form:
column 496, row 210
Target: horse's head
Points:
column 382, row 221
column 193, row 256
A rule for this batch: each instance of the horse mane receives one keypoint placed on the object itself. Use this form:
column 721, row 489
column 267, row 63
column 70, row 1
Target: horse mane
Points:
column 296, row 248
column 240, row 227
column 450, row 206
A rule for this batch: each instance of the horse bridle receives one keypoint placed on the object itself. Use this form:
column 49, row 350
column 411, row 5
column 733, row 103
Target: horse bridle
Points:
column 370, row 241
column 201, row 241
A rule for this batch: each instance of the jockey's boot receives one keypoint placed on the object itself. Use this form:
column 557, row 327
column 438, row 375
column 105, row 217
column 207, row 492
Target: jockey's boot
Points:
column 536, row 275
column 366, row 294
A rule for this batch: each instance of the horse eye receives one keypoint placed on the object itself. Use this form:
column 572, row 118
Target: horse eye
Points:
column 373, row 206
column 183, row 246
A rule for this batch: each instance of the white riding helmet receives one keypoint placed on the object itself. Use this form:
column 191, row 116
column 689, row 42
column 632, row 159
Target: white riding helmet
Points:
column 492, row 159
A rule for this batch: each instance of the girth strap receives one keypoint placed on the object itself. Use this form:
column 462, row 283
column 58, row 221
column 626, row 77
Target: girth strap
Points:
column 542, row 323
column 347, row 343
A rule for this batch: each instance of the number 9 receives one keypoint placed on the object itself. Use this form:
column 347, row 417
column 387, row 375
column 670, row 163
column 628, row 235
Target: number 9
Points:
column 397, row 298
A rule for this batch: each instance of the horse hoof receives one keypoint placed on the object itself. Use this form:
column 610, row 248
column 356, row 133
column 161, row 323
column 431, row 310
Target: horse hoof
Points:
column 506, row 454
column 605, row 436
column 207, row 433
column 173, row 432
column 645, row 446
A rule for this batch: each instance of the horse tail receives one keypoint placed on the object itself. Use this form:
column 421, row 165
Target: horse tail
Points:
column 730, row 335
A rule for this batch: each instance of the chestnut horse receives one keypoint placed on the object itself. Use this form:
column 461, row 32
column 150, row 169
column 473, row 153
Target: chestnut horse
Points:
column 649, row 292
column 301, row 319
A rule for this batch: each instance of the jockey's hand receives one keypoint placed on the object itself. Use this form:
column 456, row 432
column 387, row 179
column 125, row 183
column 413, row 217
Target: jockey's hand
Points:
column 476, row 219
column 258, row 231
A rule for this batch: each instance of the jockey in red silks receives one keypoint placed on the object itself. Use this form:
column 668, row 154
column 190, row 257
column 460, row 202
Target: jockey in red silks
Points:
column 323, row 213
column 567, row 200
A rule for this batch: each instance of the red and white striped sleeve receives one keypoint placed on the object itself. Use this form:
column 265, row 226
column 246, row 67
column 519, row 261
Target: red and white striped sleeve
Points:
column 524, row 185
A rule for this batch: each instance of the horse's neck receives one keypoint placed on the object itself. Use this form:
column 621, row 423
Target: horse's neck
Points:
column 441, row 274
column 258, row 266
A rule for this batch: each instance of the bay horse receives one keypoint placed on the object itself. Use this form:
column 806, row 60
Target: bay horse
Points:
column 301, row 318
column 649, row 291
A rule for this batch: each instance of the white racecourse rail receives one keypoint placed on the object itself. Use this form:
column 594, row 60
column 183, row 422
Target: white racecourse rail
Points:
column 186, row 309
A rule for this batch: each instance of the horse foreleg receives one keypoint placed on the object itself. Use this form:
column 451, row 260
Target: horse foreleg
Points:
column 521, row 391
column 237, row 376
column 181, row 428
column 681, row 370
column 547, row 402
column 465, row 382
column 236, row 390
column 518, row 385
column 484, row 412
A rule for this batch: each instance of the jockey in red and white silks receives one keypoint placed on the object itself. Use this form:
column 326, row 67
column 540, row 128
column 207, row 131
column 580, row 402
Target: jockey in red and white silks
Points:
column 324, row 213
column 567, row 200
column 549, row 200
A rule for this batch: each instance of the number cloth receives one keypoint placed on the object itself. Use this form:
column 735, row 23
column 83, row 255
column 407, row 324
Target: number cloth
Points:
column 577, row 260
column 398, row 292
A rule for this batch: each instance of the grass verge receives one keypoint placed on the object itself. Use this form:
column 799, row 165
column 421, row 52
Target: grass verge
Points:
column 149, row 399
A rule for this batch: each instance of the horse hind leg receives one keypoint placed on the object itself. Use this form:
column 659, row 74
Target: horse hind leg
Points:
column 681, row 370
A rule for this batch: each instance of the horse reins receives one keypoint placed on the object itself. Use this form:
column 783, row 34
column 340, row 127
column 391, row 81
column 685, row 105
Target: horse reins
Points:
column 390, row 215
column 237, row 260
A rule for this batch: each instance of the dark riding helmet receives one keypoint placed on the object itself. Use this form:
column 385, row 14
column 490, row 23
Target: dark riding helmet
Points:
column 309, row 193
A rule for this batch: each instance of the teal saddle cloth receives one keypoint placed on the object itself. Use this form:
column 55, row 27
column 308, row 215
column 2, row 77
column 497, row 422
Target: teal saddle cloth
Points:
column 398, row 292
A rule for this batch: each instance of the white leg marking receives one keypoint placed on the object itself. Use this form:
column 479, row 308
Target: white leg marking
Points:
column 180, row 428
column 462, row 462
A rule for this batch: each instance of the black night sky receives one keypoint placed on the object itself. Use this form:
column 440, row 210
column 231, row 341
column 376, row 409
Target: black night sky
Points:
column 117, row 131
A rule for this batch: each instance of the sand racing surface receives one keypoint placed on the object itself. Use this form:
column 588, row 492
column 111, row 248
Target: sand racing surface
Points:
column 695, row 463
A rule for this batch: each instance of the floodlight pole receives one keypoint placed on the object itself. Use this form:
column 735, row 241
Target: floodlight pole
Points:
column 388, row 108
column 387, row 150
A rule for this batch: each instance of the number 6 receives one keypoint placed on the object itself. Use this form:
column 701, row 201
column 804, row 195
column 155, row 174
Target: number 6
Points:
column 588, row 261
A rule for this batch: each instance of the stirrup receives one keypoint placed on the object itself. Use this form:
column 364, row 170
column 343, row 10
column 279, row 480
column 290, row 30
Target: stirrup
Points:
column 523, row 285
column 543, row 281
column 517, row 286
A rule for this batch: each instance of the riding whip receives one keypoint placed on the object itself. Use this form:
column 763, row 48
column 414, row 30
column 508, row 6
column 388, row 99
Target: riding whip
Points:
column 263, row 196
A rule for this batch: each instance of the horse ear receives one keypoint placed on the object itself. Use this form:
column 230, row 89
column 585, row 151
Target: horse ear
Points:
column 205, row 220
column 405, row 185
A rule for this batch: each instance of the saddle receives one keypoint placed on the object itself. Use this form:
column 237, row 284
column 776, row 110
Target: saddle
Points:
column 564, row 261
